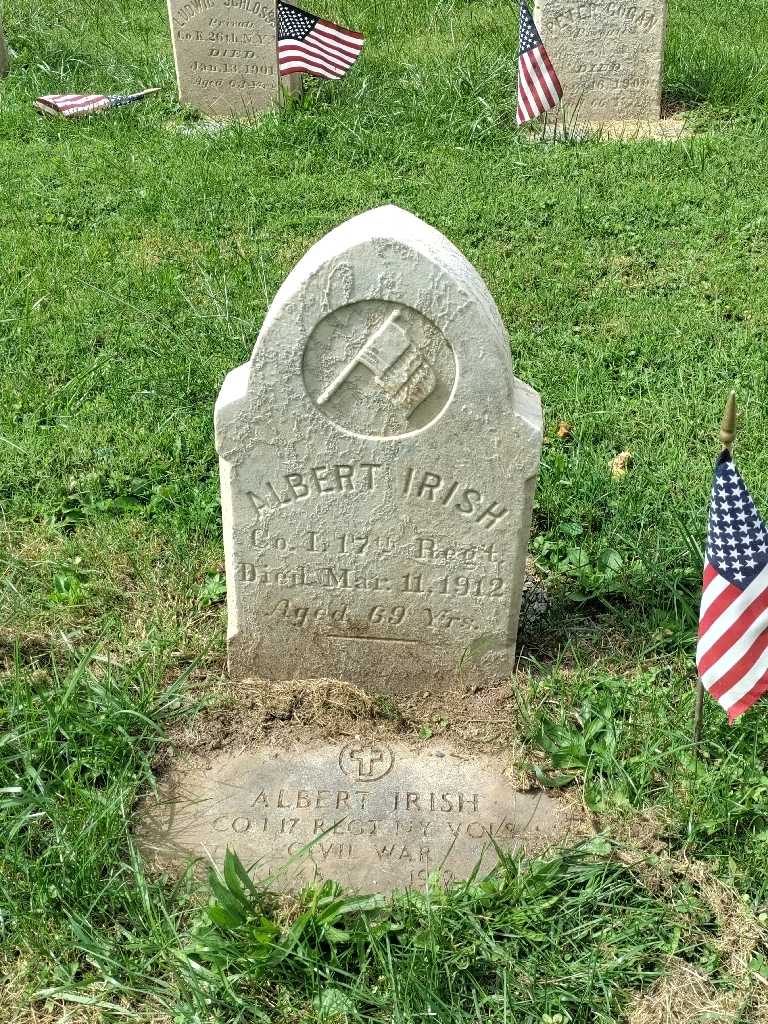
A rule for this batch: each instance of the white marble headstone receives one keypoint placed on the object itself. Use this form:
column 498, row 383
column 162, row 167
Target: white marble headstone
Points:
column 378, row 462
column 226, row 56
column 608, row 55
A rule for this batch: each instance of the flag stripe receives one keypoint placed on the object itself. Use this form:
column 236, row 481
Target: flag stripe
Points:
column 328, row 47
column 711, row 576
column 725, row 593
column 552, row 82
column 532, row 83
column 526, row 100
column 731, row 655
column 743, row 661
column 345, row 34
column 744, row 686
column 313, row 45
column 332, row 45
column 290, row 49
column 306, row 66
column 75, row 104
column 734, row 610
column 746, row 702
column 538, row 87
column 735, row 641
column 557, row 87
column 535, row 71
column 339, row 53
column 341, row 40
column 527, row 80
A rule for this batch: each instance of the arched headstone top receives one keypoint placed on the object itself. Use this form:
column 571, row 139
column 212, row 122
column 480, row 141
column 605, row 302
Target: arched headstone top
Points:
column 380, row 403
column 378, row 241
column 382, row 328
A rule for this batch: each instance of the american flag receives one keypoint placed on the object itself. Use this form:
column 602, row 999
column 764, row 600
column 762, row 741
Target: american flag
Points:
column 538, row 87
column 313, row 45
column 74, row 104
column 733, row 623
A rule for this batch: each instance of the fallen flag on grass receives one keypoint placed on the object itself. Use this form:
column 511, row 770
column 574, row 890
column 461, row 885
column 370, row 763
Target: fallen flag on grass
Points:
column 313, row 46
column 732, row 653
column 538, row 87
column 75, row 104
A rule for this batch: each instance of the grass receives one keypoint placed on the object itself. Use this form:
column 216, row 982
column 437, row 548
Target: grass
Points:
column 570, row 934
column 138, row 263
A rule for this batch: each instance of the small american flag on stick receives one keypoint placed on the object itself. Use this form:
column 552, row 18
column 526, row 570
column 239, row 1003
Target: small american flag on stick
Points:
column 313, row 45
column 76, row 105
column 732, row 654
column 538, row 87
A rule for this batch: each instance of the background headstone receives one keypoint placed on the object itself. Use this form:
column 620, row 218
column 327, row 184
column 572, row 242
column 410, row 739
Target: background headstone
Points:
column 608, row 55
column 378, row 461
column 226, row 56
column 4, row 60
column 380, row 815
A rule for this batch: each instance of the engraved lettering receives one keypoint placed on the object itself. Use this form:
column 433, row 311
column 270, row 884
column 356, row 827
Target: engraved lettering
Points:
column 297, row 485
column 344, row 476
column 429, row 483
column 469, row 502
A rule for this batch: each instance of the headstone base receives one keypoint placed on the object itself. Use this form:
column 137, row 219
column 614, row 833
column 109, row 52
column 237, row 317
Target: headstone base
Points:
column 669, row 129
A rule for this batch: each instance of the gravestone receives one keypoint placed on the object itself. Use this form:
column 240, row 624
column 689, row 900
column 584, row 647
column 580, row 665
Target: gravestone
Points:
column 378, row 815
column 608, row 55
column 4, row 61
column 226, row 56
column 378, row 461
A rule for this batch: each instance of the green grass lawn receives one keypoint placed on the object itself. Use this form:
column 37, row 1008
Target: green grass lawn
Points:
column 138, row 260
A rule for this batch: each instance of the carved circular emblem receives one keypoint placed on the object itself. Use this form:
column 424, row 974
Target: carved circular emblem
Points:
column 366, row 762
column 378, row 369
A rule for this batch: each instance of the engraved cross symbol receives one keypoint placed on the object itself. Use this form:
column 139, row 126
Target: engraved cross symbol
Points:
column 366, row 762
column 366, row 758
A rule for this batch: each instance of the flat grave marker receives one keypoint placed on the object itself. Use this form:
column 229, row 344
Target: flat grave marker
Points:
column 608, row 55
column 380, row 815
column 378, row 460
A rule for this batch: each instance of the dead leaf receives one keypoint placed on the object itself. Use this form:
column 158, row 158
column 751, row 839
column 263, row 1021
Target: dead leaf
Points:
column 620, row 464
column 564, row 430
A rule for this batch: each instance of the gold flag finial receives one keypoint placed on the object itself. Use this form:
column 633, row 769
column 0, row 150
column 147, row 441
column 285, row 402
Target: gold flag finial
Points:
column 728, row 422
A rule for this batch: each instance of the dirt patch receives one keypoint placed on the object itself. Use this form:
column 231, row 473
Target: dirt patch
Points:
column 683, row 996
column 687, row 993
column 257, row 713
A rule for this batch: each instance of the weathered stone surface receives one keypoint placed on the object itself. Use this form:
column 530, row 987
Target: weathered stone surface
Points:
column 608, row 55
column 382, row 816
column 4, row 61
column 378, row 463
column 226, row 55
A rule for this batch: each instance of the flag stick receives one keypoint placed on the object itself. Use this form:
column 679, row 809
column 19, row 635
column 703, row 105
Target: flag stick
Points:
column 727, row 436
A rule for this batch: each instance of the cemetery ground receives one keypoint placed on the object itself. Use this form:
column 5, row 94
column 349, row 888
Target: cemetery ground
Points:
column 140, row 252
